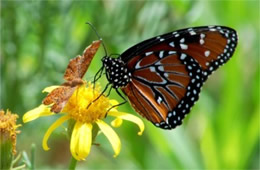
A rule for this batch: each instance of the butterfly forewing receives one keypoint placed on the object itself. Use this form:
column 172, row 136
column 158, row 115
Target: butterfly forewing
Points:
column 210, row 46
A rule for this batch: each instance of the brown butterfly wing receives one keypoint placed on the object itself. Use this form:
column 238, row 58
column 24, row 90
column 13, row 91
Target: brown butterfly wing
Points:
column 159, row 84
column 59, row 97
column 78, row 66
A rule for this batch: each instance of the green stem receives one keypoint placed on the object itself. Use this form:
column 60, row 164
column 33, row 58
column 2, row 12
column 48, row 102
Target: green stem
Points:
column 94, row 132
column 73, row 163
column 6, row 155
column 33, row 156
column 16, row 160
column 20, row 167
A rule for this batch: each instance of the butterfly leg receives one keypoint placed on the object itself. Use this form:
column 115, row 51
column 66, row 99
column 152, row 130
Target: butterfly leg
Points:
column 119, row 103
column 115, row 106
column 99, row 95
column 118, row 92
column 97, row 76
column 109, row 91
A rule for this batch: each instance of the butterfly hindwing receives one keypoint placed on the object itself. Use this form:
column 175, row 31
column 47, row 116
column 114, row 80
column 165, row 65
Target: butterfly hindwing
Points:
column 164, row 87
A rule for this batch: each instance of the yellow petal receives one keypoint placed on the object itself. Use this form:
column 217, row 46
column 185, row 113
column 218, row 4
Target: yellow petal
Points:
column 42, row 110
column 117, row 122
column 56, row 124
column 49, row 89
column 129, row 117
column 81, row 140
column 111, row 136
column 113, row 102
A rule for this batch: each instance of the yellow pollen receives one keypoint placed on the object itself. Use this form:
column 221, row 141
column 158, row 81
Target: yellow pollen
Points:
column 79, row 101
column 8, row 127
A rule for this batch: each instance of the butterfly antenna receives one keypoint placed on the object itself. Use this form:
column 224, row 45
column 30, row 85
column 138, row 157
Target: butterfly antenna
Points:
column 94, row 29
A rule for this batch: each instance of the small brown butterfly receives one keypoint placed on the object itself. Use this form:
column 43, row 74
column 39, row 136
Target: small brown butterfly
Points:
column 73, row 75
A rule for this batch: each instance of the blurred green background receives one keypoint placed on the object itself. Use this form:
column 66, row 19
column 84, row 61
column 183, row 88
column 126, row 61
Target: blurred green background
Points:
column 222, row 131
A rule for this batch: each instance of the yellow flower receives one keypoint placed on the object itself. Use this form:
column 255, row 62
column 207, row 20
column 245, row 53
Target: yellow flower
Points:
column 8, row 128
column 85, row 117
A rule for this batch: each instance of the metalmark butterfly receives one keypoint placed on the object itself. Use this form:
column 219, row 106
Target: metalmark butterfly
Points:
column 73, row 76
column 162, row 76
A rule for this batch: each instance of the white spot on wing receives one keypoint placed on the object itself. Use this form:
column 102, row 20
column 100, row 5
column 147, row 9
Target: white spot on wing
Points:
column 137, row 66
column 172, row 44
column 212, row 29
column 159, row 100
column 207, row 53
column 161, row 68
column 202, row 36
column 184, row 46
column 171, row 52
column 158, row 63
column 192, row 32
column 161, row 54
column 228, row 41
column 162, row 39
column 183, row 56
column 152, row 69
column 148, row 53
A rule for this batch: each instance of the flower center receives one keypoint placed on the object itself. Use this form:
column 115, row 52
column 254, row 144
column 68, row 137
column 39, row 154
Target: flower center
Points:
column 77, row 106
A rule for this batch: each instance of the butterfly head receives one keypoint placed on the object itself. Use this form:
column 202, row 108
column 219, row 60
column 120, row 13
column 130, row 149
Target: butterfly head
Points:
column 116, row 71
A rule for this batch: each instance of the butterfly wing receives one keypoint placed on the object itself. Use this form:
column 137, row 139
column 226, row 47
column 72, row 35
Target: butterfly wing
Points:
column 59, row 97
column 169, row 70
column 210, row 46
column 164, row 89
column 78, row 66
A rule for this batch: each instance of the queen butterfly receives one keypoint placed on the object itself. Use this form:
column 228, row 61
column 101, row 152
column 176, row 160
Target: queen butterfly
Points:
column 76, row 69
column 162, row 76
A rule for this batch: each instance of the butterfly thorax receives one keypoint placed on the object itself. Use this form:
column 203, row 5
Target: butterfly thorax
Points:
column 116, row 71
